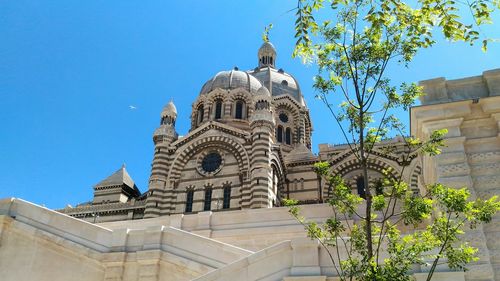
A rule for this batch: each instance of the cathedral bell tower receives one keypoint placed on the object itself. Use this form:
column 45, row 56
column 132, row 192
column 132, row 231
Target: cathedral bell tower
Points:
column 162, row 138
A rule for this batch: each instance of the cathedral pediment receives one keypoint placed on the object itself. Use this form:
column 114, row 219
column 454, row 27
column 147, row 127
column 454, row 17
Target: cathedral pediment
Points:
column 208, row 128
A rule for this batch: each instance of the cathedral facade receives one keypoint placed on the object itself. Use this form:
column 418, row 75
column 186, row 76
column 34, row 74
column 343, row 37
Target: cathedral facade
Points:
column 249, row 147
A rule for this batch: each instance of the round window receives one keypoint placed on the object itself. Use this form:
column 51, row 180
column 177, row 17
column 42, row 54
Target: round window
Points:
column 283, row 117
column 211, row 162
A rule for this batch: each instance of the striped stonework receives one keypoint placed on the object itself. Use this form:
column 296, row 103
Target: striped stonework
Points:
column 256, row 126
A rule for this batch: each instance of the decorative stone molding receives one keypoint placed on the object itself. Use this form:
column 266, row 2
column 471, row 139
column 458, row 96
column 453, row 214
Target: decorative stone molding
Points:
column 452, row 125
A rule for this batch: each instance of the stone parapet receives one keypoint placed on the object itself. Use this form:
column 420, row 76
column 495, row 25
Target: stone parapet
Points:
column 28, row 232
column 440, row 90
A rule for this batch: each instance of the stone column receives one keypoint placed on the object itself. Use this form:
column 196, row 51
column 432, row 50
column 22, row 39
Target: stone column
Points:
column 227, row 110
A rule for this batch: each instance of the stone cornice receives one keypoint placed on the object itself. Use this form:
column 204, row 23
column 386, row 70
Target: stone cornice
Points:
column 440, row 90
column 104, row 207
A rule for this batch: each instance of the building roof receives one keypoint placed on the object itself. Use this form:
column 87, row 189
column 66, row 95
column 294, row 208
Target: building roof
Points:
column 267, row 47
column 119, row 177
column 231, row 79
column 278, row 82
column 300, row 154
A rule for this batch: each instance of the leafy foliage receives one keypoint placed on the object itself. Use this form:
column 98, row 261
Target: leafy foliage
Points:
column 353, row 48
column 265, row 34
column 446, row 213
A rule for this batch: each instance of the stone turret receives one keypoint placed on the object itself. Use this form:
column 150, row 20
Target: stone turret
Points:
column 262, row 125
column 166, row 132
column 162, row 137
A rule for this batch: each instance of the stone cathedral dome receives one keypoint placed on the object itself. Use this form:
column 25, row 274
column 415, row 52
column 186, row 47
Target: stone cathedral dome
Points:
column 278, row 82
column 232, row 79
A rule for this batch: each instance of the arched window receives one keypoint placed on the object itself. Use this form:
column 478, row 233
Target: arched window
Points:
column 360, row 185
column 276, row 183
column 208, row 199
column 279, row 134
column 226, row 202
column 167, row 120
column 239, row 110
column 201, row 111
column 379, row 187
column 218, row 109
column 288, row 136
column 271, row 60
column 189, row 201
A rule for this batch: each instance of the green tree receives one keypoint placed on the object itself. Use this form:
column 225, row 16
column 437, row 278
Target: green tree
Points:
column 352, row 50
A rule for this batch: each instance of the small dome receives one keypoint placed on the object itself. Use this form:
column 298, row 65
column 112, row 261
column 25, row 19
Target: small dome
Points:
column 232, row 79
column 266, row 48
column 169, row 109
column 263, row 91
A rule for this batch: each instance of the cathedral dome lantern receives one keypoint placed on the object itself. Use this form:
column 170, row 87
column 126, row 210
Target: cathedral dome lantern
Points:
column 267, row 55
column 277, row 81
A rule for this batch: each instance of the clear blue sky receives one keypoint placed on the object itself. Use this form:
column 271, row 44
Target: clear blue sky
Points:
column 70, row 69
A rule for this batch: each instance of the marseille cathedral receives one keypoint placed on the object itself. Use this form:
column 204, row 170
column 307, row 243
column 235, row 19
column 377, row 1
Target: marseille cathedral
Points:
column 249, row 147
column 212, row 209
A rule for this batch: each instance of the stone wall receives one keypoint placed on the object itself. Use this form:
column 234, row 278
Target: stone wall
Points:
column 472, row 153
column 39, row 244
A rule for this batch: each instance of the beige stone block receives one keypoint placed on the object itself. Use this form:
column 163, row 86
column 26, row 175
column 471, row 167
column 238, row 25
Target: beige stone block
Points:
column 305, row 257
column 492, row 78
column 441, row 276
column 119, row 239
column 435, row 90
column 305, row 278
column 479, row 272
column 153, row 237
